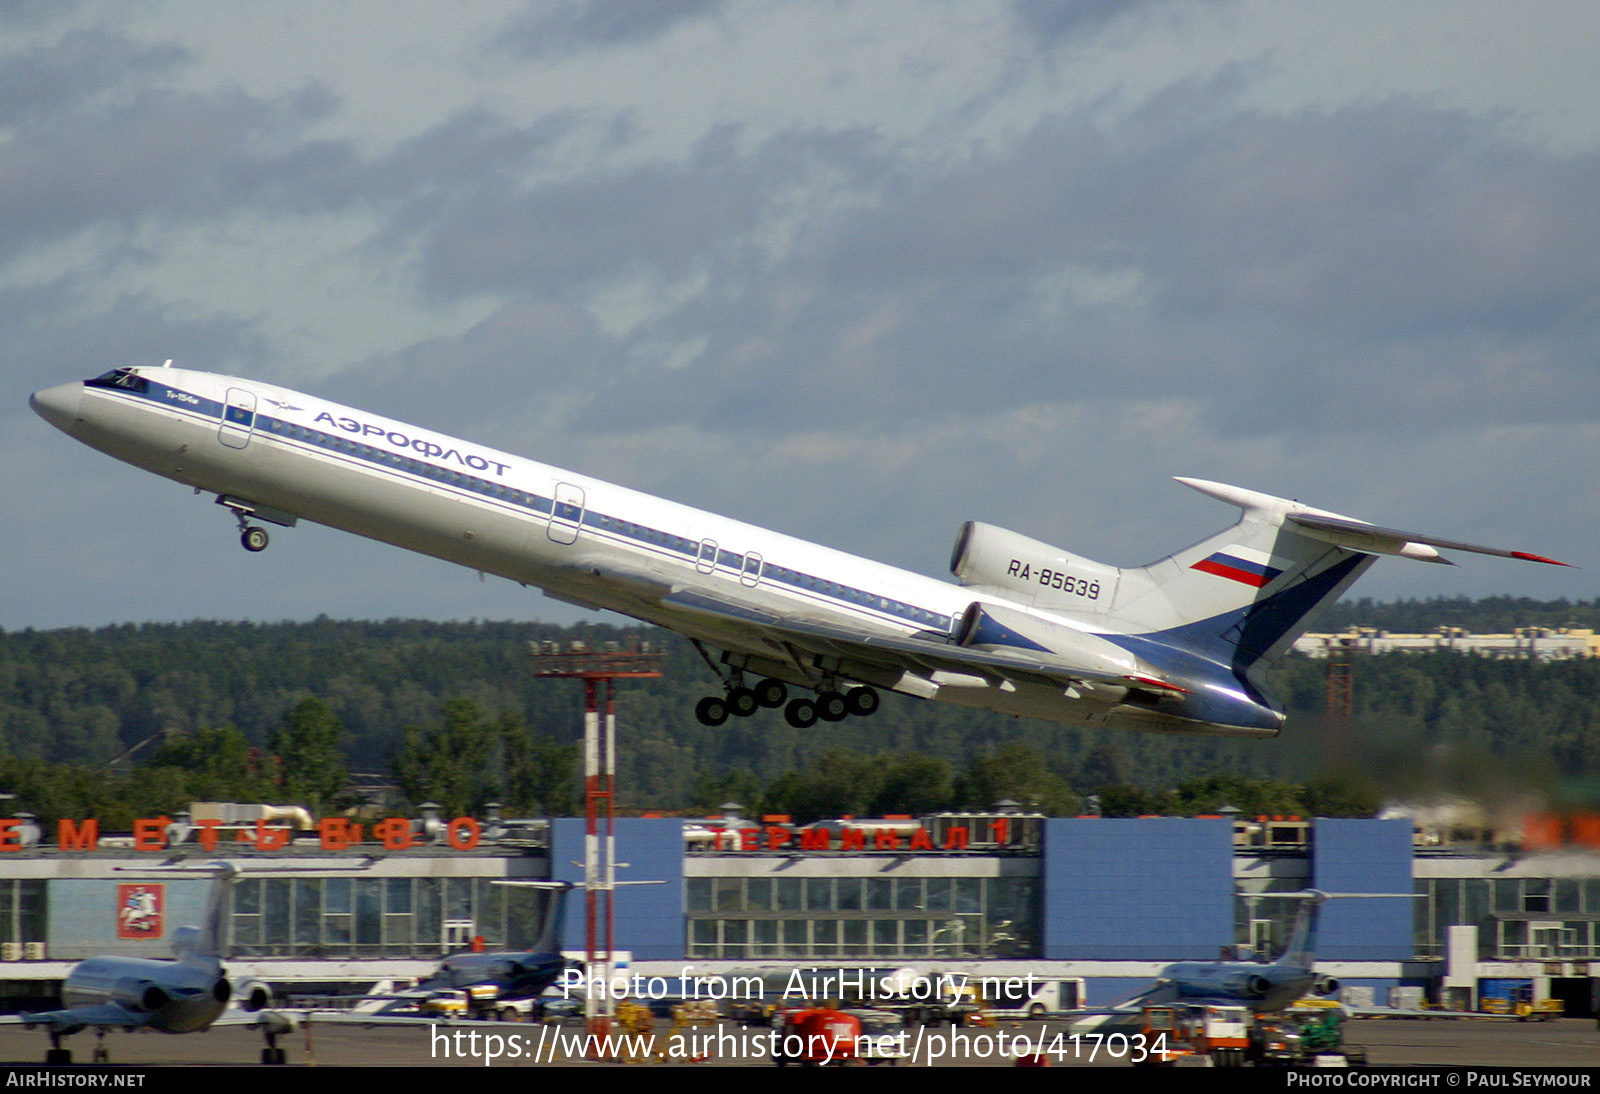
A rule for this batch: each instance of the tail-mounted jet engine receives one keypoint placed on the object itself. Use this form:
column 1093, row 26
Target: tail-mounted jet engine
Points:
column 254, row 996
column 987, row 557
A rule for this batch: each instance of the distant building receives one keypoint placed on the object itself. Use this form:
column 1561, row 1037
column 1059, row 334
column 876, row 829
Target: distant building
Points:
column 1102, row 903
column 1537, row 643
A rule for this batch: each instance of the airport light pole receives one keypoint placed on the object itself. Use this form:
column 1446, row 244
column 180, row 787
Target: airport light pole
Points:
column 595, row 667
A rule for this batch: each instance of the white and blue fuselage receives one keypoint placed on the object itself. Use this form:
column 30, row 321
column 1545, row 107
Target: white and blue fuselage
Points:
column 1031, row 630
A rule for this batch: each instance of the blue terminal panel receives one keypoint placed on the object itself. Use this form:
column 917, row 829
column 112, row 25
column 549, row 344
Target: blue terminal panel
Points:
column 1363, row 856
column 1159, row 889
column 84, row 913
column 648, row 918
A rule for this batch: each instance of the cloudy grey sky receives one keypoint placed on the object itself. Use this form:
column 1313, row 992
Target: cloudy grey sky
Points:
column 855, row 271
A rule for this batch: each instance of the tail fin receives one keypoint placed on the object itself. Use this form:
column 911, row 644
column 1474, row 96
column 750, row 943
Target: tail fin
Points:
column 203, row 944
column 555, row 919
column 553, row 926
column 1241, row 597
column 1301, row 949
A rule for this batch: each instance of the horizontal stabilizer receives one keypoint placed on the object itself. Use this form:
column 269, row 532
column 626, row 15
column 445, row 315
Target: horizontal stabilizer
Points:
column 1359, row 536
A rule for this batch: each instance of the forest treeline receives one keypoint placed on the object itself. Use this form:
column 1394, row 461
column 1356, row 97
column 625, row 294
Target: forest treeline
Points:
column 137, row 720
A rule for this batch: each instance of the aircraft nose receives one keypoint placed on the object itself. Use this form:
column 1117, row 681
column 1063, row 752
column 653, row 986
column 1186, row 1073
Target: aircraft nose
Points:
column 58, row 405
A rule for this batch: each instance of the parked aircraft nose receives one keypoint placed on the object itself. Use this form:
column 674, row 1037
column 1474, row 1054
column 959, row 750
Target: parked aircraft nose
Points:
column 58, row 405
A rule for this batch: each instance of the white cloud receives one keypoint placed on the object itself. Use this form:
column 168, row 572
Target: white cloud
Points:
column 859, row 271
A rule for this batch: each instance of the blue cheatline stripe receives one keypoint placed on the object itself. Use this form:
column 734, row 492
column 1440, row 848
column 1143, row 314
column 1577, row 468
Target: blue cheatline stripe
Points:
column 987, row 631
column 1223, row 647
column 652, row 539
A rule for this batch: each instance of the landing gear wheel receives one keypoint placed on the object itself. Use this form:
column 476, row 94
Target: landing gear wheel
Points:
column 712, row 710
column 831, row 706
column 58, row 1056
column 801, row 713
column 254, row 538
column 862, row 701
column 742, row 702
column 771, row 693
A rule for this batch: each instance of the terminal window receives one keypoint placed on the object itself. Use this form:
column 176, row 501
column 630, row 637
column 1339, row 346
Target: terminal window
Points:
column 380, row 917
column 843, row 917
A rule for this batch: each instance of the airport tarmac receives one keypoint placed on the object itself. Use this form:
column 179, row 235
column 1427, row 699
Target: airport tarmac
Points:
column 1568, row 1042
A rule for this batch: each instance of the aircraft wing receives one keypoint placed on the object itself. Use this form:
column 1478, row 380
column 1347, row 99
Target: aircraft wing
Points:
column 932, row 660
column 73, row 1019
column 1415, row 1012
column 313, row 1017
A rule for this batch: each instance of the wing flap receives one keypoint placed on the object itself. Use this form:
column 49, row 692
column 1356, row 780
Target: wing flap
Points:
column 926, row 658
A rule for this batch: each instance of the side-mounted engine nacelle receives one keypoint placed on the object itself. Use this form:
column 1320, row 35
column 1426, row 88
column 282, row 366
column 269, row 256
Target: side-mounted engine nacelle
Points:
column 253, row 996
column 992, row 626
column 1025, row 569
column 1326, row 985
column 139, row 993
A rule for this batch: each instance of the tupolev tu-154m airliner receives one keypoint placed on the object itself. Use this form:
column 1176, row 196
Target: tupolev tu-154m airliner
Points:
column 1179, row 645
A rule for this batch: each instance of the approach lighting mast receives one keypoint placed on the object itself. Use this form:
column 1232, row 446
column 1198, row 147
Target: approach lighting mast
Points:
column 613, row 661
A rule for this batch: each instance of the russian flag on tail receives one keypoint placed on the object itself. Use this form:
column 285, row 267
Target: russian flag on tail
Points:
column 1239, row 564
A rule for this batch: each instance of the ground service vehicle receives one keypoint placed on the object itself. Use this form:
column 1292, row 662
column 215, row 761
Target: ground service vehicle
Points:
column 1306, row 1039
column 1012, row 998
column 883, row 1037
column 816, row 1036
column 1222, row 1033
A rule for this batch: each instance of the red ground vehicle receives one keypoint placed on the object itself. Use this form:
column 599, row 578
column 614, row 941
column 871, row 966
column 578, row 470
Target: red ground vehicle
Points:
column 816, row 1036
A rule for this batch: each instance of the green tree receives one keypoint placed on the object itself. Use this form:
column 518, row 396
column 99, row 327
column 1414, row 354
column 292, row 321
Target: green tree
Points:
column 911, row 782
column 1015, row 773
column 445, row 762
column 311, row 763
column 217, row 764
column 1122, row 800
column 539, row 770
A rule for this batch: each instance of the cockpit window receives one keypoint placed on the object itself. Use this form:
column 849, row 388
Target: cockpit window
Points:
column 125, row 378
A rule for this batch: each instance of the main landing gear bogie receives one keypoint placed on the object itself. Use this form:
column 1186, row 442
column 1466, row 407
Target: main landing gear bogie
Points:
column 740, row 702
column 828, row 705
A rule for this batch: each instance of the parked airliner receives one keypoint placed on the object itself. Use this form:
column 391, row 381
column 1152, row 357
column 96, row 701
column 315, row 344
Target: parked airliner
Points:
column 1262, row 986
column 187, row 994
column 1028, row 629
column 512, row 975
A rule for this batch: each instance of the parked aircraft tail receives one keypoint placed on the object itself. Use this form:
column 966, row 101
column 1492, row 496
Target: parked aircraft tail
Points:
column 1301, row 950
column 202, row 944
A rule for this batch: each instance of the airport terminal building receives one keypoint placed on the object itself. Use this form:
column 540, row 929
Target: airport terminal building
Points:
column 1099, row 901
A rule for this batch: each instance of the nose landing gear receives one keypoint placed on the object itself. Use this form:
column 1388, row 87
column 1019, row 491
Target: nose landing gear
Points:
column 252, row 536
